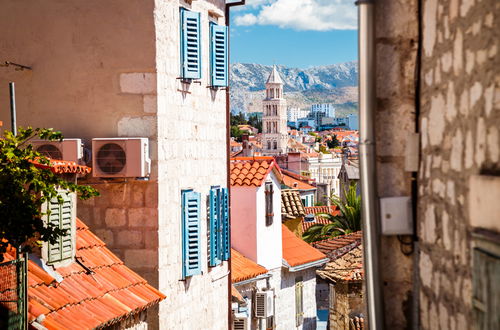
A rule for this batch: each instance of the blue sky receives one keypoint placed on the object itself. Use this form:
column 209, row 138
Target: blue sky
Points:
column 295, row 33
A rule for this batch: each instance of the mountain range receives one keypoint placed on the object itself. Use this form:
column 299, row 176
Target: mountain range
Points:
column 335, row 83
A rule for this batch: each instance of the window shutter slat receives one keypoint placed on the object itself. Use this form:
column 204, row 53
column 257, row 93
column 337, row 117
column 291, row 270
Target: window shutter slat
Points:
column 190, row 44
column 226, row 241
column 218, row 55
column 191, row 251
column 214, row 232
column 61, row 216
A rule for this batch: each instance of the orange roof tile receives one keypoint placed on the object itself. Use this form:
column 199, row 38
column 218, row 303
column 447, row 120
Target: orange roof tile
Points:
column 317, row 218
column 63, row 167
column 252, row 171
column 337, row 246
column 100, row 299
column 297, row 252
column 348, row 267
column 296, row 184
column 243, row 268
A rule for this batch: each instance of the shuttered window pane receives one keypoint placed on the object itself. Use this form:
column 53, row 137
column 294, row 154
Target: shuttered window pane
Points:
column 218, row 55
column 191, row 233
column 214, row 228
column 226, row 240
column 61, row 216
column 190, row 44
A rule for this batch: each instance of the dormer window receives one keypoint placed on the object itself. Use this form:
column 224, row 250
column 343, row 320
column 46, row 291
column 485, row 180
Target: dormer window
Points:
column 61, row 215
column 269, row 203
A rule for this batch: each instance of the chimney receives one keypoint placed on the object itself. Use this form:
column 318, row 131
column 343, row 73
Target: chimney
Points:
column 247, row 147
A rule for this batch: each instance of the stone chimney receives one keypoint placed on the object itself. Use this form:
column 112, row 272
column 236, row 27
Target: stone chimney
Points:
column 247, row 147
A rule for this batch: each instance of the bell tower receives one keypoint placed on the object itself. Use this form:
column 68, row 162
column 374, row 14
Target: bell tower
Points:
column 274, row 129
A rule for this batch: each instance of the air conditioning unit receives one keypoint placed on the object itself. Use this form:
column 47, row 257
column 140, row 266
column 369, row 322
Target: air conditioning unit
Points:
column 241, row 322
column 264, row 304
column 67, row 149
column 120, row 157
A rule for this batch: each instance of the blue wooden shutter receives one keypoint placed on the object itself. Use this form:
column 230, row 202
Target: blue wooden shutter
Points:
column 218, row 56
column 191, row 248
column 190, row 44
column 226, row 242
column 214, row 228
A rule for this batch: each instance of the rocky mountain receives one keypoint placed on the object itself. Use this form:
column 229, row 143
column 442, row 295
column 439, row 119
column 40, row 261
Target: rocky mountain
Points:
column 323, row 84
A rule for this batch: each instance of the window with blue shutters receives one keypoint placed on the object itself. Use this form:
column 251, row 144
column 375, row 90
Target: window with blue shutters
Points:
column 190, row 44
column 218, row 55
column 219, row 226
column 191, row 247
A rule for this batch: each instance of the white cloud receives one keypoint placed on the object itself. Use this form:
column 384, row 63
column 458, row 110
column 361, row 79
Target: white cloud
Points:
column 316, row 15
column 247, row 19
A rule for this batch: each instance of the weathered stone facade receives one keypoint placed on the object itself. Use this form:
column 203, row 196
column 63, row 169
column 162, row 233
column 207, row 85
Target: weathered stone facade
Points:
column 396, row 49
column 346, row 300
column 460, row 122
column 99, row 73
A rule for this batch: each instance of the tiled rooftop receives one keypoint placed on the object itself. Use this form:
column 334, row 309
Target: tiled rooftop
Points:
column 297, row 252
column 291, row 204
column 337, row 246
column 243, row 268
column 252, row 171
column 85, row 300
column 63, row 167
column 296, row 184
column 317, row 218
column 348, row 267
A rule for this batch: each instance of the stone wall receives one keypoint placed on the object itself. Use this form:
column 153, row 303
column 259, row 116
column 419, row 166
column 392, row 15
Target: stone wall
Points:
column 396, row 23
column 460, row 122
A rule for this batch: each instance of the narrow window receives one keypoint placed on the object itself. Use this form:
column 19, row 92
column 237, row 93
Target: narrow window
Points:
column 61, row 216
column 190, row 44
column 218, row 55
column 299, row 301
column 268, row 144
column 191, row 243
column 219, row 226
column 275, row 145
column 269, row 203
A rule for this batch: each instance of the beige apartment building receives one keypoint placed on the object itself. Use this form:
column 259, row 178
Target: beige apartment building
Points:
column 136, row 69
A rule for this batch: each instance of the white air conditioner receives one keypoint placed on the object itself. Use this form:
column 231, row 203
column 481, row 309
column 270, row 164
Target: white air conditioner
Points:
column 120, row 157
column 241, row 322
column 67, row 149
column 264, row 304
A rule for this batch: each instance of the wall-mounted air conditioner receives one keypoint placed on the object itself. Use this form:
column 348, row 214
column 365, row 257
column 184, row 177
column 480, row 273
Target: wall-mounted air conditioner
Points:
column 67, row 149
column 241, row 322
column 120, row 157
column 264, row 304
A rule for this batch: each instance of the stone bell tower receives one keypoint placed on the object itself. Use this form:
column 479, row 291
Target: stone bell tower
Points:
column 274, row 129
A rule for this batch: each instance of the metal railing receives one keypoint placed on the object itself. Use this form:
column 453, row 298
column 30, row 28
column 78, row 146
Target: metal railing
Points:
column 13, row 294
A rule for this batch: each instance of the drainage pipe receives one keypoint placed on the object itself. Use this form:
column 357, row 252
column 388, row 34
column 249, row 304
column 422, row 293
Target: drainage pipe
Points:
column 227, row 13
column 369, row 207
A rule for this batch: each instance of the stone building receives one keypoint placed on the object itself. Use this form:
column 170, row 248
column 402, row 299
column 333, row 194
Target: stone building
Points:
column 438, row 75
column 274, row 124
column 113, row 69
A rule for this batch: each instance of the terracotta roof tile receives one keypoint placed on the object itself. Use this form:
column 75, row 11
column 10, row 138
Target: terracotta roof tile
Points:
column 317, row 218
column 63, row 167
column 348, row 267
column 291, row 204
column 252, row 171
column 297, row 252
column 100, row 299
column 337, row 246
column 243, row 268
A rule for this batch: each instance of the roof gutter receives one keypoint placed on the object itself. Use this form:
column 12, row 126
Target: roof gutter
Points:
column 253, row 279
column 367, row 167
column 298, row 268
column 228, row 154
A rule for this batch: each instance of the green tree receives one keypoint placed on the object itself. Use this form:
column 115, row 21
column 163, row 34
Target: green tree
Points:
column 348, row 221
column 254, row 121
column 236, row 133
column 24, row 188
column 334, row 142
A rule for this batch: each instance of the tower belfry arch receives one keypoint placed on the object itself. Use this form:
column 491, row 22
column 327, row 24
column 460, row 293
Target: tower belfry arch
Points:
column 274, row 129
